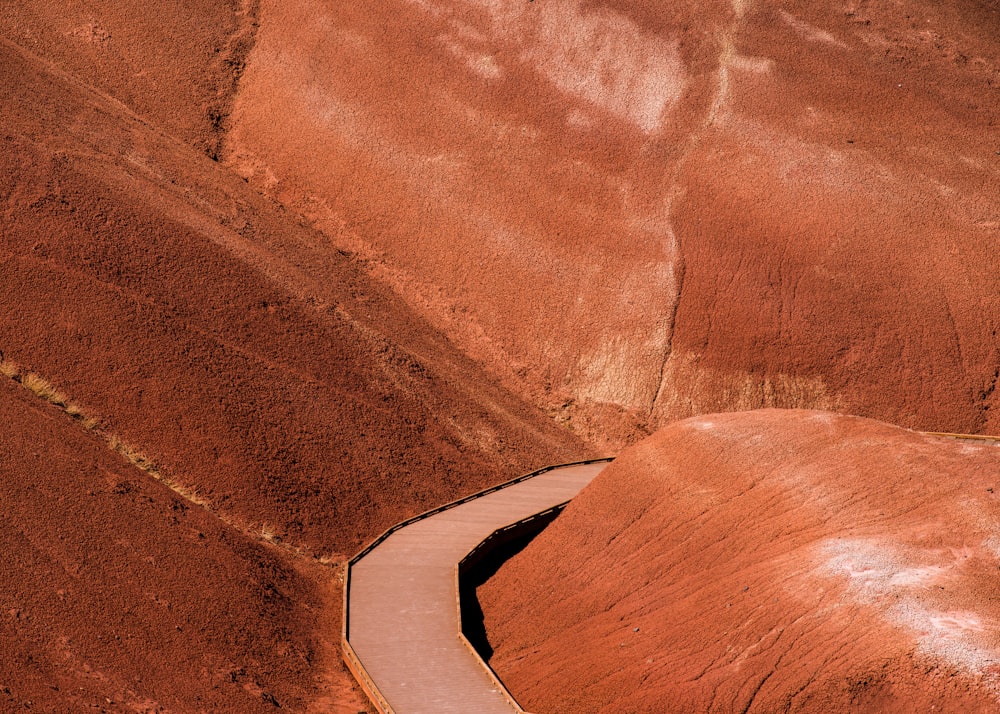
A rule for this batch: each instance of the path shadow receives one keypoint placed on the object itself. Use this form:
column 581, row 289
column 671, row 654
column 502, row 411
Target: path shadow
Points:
column 473, row 626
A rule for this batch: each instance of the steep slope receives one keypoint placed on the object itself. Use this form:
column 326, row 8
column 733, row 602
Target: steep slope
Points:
column 176, row 65
column 252, row 362
column 235, row 354
column 719, row 205
column 763, row 561
column 118, row 595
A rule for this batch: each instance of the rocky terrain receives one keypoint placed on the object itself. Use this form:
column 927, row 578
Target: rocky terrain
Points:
column 759, row 562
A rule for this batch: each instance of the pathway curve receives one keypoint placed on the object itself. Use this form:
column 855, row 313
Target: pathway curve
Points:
column 402, row 625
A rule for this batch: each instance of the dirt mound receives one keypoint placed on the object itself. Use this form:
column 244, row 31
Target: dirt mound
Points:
column 719, row 205
column 763, row 561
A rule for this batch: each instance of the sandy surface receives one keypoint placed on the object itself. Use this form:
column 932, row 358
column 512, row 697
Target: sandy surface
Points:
column 758, row 562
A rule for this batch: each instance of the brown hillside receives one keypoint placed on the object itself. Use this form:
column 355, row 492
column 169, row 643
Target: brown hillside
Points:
column 759, row 562
column 635, row 212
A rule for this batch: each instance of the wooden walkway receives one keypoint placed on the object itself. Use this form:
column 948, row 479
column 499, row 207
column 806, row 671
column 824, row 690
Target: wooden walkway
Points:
column 402, row 631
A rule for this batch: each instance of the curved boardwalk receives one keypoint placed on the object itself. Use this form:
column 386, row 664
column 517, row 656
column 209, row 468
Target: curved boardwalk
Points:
column 402, row 621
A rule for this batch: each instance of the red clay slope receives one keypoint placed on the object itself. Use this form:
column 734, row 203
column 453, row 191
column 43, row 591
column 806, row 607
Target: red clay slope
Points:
column 118, row 596
column 635, row 212
column 254, row 363
column 759, row 562
column 176, row 64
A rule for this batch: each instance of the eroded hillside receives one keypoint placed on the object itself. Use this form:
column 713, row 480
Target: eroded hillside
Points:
column 318, row 266
column 295, row 405
column 634, row 212
column 758, row 562
column 119, row 595
column 255, row 363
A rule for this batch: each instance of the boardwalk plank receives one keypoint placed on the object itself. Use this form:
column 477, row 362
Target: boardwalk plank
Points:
column 404, row 619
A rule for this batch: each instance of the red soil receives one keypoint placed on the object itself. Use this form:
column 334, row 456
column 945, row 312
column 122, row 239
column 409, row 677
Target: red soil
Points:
column 254, row 363
column 634, row 212
column 119, row 596
column 176, row 66
column 763, row 561
column 257, row 365
column 625, row 212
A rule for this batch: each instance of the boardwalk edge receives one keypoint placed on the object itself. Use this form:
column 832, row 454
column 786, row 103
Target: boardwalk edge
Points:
column 351, row 659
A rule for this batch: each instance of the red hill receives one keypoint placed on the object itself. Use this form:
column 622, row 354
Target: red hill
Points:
column 758, row 562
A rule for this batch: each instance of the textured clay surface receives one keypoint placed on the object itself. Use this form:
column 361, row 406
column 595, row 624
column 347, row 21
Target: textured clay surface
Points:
column 329, row 265
column 759, row 562
column 258, row 366
column 119, row 596
column 254, row 363
column 637, row 211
